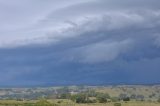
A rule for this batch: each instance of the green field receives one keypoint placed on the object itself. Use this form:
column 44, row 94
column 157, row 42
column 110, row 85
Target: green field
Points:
column 69, row 103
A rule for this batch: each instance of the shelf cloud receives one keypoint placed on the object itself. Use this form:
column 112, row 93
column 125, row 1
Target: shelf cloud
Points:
column 111, row 41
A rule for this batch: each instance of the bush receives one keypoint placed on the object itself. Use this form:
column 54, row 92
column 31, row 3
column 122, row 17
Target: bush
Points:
column 61, row 101
column 122, row 96
column 133, row 96
column 102, row 98
column 117, row 104
column 126, row 99
column 79, row 98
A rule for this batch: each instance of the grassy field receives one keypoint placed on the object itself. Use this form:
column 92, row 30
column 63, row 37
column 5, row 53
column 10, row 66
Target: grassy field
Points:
column 122, row 104
column 69, row 103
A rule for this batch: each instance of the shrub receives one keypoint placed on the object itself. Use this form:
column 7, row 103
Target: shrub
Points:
column 122, row 96
column 60, row 101
column 133, row 96
column 79, row 98
column 102, row 98
column 126, row 99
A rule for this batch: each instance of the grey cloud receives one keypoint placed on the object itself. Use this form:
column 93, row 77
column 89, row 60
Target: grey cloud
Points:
column 95, row 15
column 104, row 51
column 19, row 19
column 114, row 38
column 157, row 39
column 114, row 27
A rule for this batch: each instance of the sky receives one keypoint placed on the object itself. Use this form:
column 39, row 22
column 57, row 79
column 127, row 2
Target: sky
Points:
column 79, row 42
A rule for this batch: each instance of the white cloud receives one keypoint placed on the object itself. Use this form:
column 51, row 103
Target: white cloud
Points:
column 28, row 23
column 21, row 20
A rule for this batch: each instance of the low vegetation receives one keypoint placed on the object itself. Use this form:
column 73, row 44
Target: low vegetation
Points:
column 83, row 96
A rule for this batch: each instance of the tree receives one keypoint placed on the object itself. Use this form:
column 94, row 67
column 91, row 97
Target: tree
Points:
column 79, row 98
column 126, row 99
column 133, row 96
column 102, row 98
column 122, row 96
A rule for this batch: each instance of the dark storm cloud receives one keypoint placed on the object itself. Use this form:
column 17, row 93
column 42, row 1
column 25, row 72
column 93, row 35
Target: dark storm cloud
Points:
column 111, row 41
